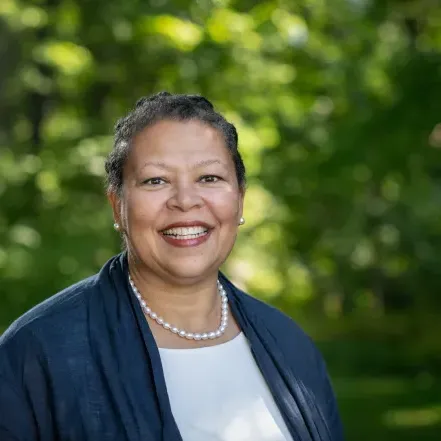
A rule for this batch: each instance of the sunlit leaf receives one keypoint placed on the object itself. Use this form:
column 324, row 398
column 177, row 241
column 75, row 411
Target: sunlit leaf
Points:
column 183, row 34
column 69, row 58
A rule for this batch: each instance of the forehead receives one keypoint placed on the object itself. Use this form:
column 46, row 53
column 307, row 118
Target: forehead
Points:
column 179, row 140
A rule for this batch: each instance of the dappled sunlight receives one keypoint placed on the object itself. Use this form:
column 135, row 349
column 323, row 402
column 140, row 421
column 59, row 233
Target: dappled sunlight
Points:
column 63, row 125
column 25, row 235
column 417, row 417
column 70, row 58
column 182, row 34
column 293, row 28
column 260, row 206
column 23, row 17
column 390, row 408
column 226, row 25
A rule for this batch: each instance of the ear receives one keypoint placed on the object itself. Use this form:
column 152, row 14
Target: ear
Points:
column 115, row 203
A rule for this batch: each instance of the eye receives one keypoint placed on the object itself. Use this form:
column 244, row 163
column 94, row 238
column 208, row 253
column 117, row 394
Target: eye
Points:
column 210, row 178
column 154, row 181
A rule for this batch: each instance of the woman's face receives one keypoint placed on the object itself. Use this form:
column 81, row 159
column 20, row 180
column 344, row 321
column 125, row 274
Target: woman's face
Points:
column 181, row 204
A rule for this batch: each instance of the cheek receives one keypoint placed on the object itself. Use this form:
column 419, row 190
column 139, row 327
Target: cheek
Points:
column 143, row 208
column 226, row 206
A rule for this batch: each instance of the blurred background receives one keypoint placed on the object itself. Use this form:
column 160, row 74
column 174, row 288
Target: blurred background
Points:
column 338, row 108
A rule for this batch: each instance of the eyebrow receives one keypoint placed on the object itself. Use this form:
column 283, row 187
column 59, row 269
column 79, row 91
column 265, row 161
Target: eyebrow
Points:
column 194, row 166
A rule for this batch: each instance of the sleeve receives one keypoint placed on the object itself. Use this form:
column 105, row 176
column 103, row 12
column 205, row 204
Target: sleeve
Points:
column 18, row 416
column 16, row 420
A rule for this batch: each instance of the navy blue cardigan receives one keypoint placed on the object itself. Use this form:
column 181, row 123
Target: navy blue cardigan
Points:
column 83, row 365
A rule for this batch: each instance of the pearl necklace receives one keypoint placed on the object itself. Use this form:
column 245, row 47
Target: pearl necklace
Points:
column 189, row 335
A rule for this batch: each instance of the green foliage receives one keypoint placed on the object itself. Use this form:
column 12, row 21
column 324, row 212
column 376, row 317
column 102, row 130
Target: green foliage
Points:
column 338, row 111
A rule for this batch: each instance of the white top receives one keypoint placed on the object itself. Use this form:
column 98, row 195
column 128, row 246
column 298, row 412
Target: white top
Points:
column 217, row 393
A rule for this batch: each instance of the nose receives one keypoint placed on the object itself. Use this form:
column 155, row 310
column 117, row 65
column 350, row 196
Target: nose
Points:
column 185, row 197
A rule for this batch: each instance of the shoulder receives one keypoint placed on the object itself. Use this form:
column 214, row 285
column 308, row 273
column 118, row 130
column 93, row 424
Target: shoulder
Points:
column 61, row 309
column 280, row 325
column 292, row 341
column 298, row 351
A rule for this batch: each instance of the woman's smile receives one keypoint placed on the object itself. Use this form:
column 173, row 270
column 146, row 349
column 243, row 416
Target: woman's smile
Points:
column 186, row 234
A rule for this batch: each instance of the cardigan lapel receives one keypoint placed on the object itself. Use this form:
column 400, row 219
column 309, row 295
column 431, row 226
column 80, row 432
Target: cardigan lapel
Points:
column 158, row 389
column 298, row 410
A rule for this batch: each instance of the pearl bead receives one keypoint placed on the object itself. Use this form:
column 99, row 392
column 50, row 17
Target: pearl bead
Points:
column 180, row 332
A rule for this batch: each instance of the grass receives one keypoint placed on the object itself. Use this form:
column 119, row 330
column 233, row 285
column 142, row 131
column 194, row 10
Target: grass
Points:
column 392, row 409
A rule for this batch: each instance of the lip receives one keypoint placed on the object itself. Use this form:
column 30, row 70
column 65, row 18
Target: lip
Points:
column 187, row 243
column 186, row 224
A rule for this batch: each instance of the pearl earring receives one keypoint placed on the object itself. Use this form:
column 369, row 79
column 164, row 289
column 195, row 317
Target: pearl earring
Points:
column 116, row 226
column 242, row 221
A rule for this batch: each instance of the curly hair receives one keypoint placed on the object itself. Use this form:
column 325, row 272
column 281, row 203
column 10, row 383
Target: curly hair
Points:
column 166, row 106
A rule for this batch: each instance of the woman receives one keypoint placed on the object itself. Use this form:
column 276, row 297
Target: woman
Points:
column 159, row 345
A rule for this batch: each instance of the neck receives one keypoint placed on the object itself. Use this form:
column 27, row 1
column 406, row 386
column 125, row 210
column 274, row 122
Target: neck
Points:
column 194, row 306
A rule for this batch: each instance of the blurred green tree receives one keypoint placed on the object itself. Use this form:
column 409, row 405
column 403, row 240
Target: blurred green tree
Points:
column 338, row 114
column 339, row 118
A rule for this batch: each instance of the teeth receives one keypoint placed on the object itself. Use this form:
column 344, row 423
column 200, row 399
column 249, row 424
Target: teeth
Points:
column 188, row 232
column 188, row 236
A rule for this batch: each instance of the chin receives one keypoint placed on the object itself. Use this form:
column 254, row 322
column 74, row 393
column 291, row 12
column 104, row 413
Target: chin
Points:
column 191, row 271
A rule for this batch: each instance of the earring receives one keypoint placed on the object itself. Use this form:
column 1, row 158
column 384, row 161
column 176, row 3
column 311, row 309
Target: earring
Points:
column 242, row 221
column 116, row 226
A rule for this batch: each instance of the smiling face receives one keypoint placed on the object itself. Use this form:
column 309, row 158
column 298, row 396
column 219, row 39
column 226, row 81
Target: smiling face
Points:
column 181, row 203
